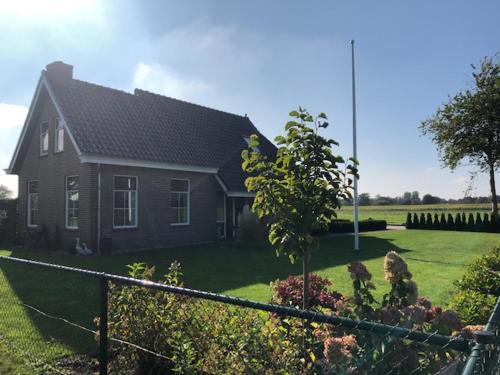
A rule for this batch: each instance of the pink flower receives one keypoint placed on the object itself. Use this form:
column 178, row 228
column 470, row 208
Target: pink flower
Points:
column 424, row 302
column 389, row 315
column 432, row 313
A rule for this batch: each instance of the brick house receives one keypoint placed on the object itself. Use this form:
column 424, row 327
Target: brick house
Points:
column 123, row 171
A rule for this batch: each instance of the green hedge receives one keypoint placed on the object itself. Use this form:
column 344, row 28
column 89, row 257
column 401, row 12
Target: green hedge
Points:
column 472, row 223
column 346, row 226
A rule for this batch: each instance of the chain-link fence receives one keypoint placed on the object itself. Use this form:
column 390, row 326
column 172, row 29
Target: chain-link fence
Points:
column 67, row 320
column 485, row 355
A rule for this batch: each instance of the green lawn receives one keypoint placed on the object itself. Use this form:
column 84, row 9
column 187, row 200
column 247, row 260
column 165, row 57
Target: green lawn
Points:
column 436, row 259
column 396, row 214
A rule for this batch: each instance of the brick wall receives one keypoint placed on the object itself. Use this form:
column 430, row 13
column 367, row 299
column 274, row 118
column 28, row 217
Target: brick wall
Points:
column 50, row 171
column 154, row 223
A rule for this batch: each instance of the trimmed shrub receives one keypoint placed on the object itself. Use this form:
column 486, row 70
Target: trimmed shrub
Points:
column 344, row 226
column 479, row 222
column 428, row 221
column 471, row 225
column 422, row 221
column 495, row 224
column 442, row 222
column 464, row 219
column 436, row 225
column 416, row 224
column 486, row 223
column 409, row 224
column 458, row 222
column 450, row 225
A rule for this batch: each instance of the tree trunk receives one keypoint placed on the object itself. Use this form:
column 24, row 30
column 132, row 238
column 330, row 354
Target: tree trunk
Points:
column 305, row 274
column 494, row 203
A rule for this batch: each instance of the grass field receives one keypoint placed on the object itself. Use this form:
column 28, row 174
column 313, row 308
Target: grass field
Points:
column 436, row 259
column 396, row 215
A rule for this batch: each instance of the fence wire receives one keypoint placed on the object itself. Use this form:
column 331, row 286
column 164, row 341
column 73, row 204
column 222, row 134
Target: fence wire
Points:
column 50, row 315
column 46, row 317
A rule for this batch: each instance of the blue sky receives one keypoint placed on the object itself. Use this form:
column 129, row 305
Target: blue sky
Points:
column 266, row 58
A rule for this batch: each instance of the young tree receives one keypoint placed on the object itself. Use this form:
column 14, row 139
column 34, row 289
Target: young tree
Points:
column 300, row 190
column 468, row 126
column 5, row 192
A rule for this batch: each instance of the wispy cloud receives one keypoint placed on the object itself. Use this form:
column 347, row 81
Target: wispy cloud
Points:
column 11, row 116
column 163, row 80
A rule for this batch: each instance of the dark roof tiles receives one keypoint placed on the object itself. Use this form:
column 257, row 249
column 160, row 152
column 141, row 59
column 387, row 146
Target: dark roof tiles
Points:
column 151, row 127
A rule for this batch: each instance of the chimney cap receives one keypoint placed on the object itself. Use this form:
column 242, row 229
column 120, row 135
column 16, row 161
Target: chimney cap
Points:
column 59, row 71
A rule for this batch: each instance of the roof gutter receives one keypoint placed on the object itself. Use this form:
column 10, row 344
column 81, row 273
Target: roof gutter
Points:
column 96, row 159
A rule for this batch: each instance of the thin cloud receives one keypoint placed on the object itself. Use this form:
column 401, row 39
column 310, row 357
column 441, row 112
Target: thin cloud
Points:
column 163, row 80
column 12, row 116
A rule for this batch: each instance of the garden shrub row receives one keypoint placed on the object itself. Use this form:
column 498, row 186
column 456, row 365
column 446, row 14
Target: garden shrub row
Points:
column 459, row 222
column 346, row 226
column 202, row 337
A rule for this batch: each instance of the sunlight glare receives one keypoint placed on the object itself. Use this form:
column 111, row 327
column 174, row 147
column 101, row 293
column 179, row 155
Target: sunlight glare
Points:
column 45, row 9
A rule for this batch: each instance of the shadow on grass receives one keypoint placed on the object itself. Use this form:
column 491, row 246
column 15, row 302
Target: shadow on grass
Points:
column 215, row 267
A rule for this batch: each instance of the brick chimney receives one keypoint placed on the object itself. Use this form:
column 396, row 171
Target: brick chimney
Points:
column 59, row 72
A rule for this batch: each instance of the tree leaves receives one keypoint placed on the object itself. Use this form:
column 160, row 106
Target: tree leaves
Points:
column 300, row 189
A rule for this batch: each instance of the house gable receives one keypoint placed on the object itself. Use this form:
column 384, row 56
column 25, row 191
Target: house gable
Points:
column 43, row 95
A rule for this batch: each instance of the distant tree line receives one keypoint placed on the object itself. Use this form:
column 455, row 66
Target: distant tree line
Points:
column 412, row 198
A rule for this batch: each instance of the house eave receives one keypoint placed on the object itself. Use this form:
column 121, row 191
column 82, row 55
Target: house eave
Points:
column 106, row 160
column 240, row 194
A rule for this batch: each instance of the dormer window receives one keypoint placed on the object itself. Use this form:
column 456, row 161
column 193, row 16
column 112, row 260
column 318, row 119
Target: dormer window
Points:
column 247, row 140
column 44, row 138
column 59, row 136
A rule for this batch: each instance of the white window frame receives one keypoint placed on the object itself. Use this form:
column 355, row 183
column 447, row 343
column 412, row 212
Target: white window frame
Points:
column 59, row 147
column 136, row 225
column 42, row 135
column 66, row 211
column 188, row 222
column 28, row 205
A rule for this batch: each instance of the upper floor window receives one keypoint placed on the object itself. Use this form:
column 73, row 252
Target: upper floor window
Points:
column 44, row 138
column 125, row 202
column 179, row 202
column 59, row 136
column 247, row 140
column 32, row 208
column 72, row 198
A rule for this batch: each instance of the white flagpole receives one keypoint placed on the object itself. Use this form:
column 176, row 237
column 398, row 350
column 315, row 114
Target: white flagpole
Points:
column 355, row 153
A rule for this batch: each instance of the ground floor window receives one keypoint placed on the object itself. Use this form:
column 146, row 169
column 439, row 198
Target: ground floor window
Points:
column 32, row 204
column 125, row 202
column 179, row 202
column 72, row 200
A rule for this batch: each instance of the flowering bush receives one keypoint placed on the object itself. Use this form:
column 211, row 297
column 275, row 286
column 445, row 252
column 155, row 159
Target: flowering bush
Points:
column 289, row 292
column 196, row 336
column 403, row 290
column 362, row 286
